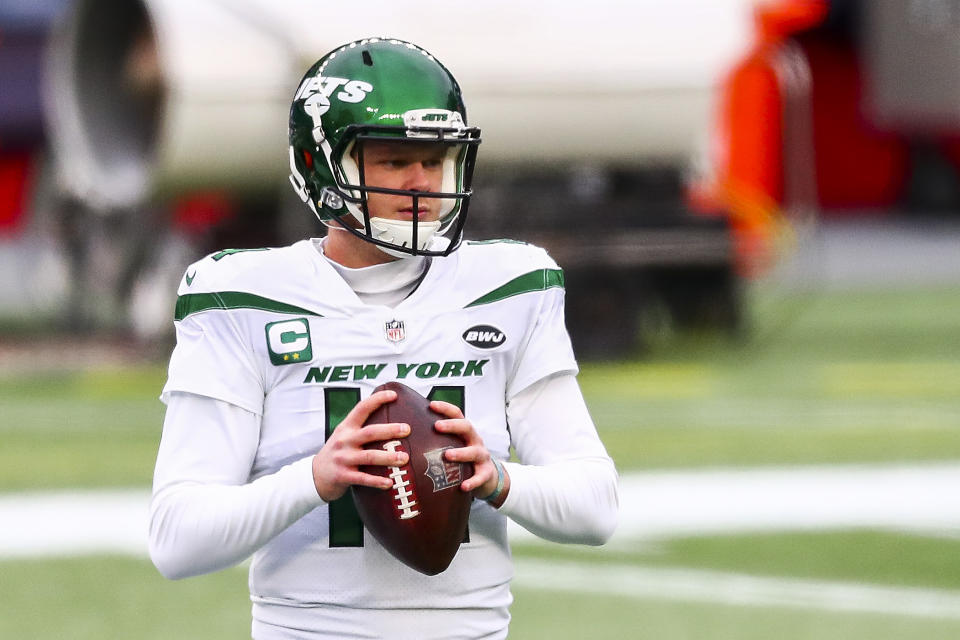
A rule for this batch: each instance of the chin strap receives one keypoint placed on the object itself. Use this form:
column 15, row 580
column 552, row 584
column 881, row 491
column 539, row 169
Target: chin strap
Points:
column 400, row 233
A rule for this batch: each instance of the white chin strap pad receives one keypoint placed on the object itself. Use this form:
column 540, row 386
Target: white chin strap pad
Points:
column 400, row 233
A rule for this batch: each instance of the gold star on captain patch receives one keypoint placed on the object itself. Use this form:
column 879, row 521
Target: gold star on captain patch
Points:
column 286, row 357
column 296, row 356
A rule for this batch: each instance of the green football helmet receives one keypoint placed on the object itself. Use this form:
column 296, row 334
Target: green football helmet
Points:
column 385, row 90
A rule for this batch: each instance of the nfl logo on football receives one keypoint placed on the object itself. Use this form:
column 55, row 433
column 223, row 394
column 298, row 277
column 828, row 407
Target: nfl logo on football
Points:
column 394, row 330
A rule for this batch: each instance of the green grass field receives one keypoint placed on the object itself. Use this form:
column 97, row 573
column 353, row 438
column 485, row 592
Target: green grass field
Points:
column 111, row 598
column 832, row 378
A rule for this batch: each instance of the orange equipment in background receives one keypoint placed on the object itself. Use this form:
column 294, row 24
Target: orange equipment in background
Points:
column 791, row 137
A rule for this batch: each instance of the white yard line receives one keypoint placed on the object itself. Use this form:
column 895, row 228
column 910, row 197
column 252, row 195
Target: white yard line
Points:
column 688, row 585
column 70, row 523
column 671, row 504
column 653, row 506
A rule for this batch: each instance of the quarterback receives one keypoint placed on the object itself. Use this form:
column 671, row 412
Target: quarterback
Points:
column 278, row 352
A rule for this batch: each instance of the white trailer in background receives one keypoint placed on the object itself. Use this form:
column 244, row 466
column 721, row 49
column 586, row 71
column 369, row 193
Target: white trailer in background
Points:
column 151, row 99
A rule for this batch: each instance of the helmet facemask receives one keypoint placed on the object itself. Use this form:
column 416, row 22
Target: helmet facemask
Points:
column 401, row 238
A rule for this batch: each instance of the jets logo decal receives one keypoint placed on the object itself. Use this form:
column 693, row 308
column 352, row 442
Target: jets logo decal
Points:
column 484, row 336
column 317, row 91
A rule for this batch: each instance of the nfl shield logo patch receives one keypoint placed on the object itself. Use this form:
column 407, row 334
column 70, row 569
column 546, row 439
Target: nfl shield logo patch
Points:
column 444, row 474
column 394, row 330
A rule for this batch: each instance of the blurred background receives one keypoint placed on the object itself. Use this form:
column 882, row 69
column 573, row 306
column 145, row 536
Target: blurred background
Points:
column 757, row 207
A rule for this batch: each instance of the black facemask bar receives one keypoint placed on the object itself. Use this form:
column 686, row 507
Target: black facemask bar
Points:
column 468, row 137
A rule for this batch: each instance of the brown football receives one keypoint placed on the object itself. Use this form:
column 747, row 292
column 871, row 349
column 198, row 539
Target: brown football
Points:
column 423, row 519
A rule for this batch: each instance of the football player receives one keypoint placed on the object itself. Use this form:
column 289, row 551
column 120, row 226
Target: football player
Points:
column 278, row 351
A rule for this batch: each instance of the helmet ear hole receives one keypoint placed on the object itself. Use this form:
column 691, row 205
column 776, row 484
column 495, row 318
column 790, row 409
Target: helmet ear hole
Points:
column 308, row 159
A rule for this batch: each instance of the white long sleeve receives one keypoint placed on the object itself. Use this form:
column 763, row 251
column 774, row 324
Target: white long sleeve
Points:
column 565, row 488
column 205, row 515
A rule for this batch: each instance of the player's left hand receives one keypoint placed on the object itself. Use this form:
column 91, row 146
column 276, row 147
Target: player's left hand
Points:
column 484, row 479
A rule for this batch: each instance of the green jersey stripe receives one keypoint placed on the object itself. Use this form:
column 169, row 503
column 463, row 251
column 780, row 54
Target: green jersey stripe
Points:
column 539, row 280
column 197, row 302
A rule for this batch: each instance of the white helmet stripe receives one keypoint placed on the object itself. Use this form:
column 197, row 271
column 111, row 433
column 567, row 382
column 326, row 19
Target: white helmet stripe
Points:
column 296, row 178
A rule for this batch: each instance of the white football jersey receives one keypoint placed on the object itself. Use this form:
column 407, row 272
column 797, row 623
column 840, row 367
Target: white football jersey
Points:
column 279, row 333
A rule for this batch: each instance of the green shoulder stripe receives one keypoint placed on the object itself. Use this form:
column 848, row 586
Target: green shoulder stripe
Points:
column 197, row 302
column 539, row 280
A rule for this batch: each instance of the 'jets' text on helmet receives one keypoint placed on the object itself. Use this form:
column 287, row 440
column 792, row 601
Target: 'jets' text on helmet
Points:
column 386, row 90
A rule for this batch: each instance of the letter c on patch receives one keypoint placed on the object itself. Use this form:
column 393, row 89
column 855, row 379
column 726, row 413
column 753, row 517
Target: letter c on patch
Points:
column 288, row 337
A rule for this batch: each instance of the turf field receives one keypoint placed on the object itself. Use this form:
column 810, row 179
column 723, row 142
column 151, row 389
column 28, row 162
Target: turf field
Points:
column 826, row 378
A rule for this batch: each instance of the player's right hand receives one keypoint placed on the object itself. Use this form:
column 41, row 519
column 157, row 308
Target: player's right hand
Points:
column 336, row 465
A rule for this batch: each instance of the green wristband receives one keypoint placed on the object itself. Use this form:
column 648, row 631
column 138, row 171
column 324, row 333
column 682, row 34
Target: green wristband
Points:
column 501, row 478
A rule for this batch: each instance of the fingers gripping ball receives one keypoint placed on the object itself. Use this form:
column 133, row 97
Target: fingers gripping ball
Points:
column 422, row 519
